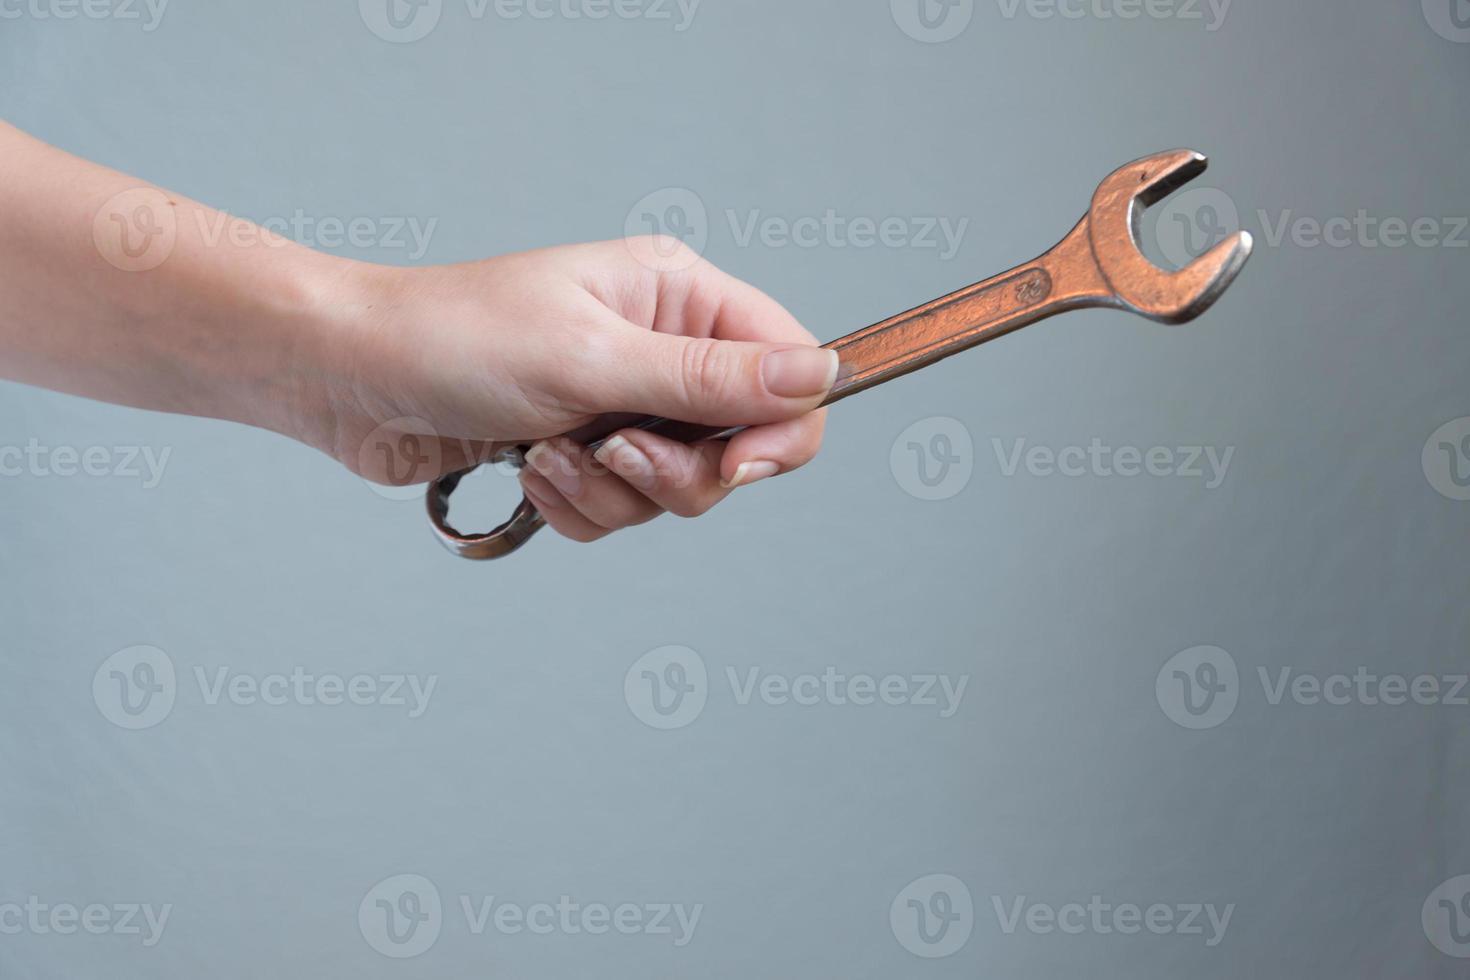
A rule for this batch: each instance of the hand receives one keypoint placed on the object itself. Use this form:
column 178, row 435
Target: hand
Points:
column 351, row 357
column 527, row 348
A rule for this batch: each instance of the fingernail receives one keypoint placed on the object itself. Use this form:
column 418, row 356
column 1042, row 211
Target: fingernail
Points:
column 558, row 468
column 800, row 372
column 752, row 472
column 628, row 462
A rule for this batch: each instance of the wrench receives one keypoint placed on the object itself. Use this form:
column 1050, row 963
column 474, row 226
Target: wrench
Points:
column 1098, row 264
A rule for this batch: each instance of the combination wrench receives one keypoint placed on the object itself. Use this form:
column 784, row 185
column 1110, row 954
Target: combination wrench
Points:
column 1098, row 264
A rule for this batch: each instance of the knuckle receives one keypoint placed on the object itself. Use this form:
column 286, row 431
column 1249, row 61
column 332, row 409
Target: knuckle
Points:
column 685, row 510
column 653, row 514
column 672, row 246
column 690, row 506
column 584, row 535
column 617, row 516
column 661, row 251
column 707, row 369
column 804, row 456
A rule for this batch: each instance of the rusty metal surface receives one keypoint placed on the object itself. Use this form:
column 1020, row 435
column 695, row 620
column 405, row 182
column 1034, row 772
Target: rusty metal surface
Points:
column 1097, row 264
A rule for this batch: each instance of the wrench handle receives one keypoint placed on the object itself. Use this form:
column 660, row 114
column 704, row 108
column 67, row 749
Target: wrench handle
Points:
column 904, row 343
column 913, row 340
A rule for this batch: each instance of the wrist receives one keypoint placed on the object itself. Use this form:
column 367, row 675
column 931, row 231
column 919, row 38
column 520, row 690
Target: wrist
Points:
column 278, row 347
column 322, row 325
column 250, row 331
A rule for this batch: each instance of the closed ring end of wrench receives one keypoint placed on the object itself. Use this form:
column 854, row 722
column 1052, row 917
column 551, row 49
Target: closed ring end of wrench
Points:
column 504, row 540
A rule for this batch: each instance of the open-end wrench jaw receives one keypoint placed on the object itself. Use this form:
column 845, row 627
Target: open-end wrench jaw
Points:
column 1136, row 283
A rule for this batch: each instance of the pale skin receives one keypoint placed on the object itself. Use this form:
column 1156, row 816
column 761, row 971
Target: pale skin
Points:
column 125, row 293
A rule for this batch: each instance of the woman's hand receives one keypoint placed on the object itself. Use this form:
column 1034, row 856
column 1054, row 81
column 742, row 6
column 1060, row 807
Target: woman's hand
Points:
column 127, row 293
column 528, row 348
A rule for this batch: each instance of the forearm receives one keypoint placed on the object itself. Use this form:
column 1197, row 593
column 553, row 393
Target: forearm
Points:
column 155, row 301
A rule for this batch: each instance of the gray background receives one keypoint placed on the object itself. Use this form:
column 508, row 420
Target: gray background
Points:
column 1326, row 548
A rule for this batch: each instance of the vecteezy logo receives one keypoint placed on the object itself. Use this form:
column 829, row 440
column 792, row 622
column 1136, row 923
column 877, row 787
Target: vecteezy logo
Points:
column 933, row 916
column 398, row 455
column 660, row 221
column 1446, row 459
column 1196, row 221
column 136, row 231
column 1446, row 917
column 667, row 688
column 135, row 688
column 401, row 916
column 933, row 459
column 1449, row 18
column 1199, row 687
column 932, row 21
column 401, row 21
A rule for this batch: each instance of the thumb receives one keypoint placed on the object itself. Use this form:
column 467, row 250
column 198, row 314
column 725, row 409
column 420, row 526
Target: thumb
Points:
column 712, row 382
